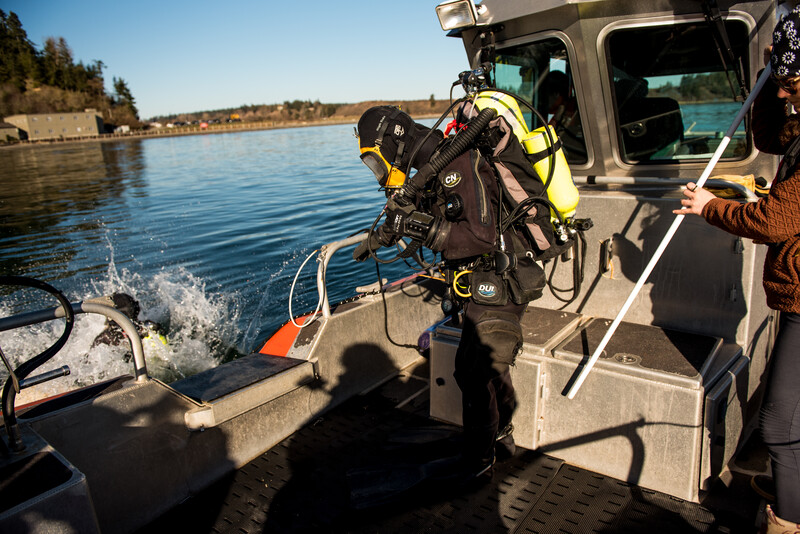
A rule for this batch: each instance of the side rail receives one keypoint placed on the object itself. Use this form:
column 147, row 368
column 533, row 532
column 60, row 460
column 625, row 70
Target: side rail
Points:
column 15, row 384
column 88, row 306
column 325, row 254
column 19, row 378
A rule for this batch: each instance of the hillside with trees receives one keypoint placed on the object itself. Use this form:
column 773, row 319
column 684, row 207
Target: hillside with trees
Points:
column 306, row 111
column 49, row 80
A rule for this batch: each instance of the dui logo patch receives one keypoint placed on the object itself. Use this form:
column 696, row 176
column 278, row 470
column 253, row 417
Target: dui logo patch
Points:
column 451, row 179
column 487, row 289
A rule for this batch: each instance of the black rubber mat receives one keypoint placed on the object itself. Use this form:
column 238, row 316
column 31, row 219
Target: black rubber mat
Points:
column 302, row 485
column 495, row 506
column 581, row 501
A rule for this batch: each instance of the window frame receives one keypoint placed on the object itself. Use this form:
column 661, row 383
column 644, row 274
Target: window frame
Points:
column 607, row 76
column 574, row 63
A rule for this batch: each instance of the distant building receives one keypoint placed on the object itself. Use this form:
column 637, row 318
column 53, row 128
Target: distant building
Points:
column 8, row 132
column 88, row 123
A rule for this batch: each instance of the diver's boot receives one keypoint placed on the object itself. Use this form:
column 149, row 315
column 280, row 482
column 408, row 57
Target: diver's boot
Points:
column 773, row 524
column 478, row 454
column 504, row 447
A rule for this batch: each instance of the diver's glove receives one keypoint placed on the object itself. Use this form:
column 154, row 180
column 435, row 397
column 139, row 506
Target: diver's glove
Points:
column 403, row 220
column 377, row 239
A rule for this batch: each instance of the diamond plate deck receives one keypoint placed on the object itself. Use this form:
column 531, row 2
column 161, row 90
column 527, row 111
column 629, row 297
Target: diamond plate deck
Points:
column 301, row 485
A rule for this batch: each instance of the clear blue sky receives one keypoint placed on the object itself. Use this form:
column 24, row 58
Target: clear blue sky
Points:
column 183, row 56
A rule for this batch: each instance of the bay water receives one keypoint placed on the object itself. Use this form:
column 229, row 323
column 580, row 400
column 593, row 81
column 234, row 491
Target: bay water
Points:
column 207, row 232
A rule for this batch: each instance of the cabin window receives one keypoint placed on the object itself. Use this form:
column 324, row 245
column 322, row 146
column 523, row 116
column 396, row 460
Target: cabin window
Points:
column 674, row 97
column 540, row 73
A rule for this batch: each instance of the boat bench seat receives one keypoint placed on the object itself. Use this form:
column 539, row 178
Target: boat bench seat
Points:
column 241, row 385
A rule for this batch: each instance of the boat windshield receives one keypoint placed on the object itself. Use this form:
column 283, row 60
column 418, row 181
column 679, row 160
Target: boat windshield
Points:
column 540, row 73
column 673, row 97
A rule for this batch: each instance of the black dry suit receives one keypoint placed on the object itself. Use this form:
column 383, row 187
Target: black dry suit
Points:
column 468, row 196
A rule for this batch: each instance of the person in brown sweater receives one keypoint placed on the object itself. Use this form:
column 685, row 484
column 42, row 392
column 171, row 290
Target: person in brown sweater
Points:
column 774, row 221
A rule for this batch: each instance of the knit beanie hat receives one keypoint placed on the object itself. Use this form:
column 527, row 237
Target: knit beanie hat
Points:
column 785, row 56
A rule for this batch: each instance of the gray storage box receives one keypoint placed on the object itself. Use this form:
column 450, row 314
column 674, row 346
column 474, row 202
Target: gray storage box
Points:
column 639, row 416
column 659, row 409
column 542, row 330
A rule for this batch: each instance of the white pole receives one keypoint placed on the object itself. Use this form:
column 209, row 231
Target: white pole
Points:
column 664, row 242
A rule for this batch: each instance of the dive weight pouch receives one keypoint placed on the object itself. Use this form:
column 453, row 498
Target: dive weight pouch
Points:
column 526, row 282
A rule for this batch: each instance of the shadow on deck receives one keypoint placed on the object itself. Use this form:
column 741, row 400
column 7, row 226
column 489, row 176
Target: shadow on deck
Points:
column 301, row 485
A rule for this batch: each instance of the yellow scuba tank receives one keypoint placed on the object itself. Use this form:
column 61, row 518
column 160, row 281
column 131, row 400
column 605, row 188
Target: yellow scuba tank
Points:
column 506, row 106
column 561, row 192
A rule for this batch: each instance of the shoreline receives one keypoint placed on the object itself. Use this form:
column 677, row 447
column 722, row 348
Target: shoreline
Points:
column 193, row 130
column 176, row 132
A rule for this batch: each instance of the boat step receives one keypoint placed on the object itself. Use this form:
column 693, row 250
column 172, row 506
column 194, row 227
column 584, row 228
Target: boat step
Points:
column 241, row 385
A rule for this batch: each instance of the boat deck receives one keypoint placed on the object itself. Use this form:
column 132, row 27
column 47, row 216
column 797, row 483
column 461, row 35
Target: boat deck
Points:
column 304, row 484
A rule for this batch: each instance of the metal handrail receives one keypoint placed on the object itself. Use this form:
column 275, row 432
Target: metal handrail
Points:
column 325, row 254
column 749, row 195
column 41, row 316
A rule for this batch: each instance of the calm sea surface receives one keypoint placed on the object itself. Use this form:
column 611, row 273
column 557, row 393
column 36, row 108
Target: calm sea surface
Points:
column 207, row 232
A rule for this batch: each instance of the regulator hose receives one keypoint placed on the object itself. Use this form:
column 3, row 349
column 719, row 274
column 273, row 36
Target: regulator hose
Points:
column 432, row 129
column 460, row 143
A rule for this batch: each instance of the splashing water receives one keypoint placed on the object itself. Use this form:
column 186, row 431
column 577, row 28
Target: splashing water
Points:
column 200, row 331
column 272, row 309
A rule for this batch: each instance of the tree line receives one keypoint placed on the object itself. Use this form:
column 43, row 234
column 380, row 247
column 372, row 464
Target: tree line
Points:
column 306, row 110
column 698, row 88
column 295, row 110
column 50, row 81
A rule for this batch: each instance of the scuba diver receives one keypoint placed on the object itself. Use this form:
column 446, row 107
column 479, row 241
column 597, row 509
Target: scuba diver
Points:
column 489, row 268
column 113, row 334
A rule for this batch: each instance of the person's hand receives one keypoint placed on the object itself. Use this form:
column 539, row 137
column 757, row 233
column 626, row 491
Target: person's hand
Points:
column 362, row 251
column 696, row 199
column 397, row 218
